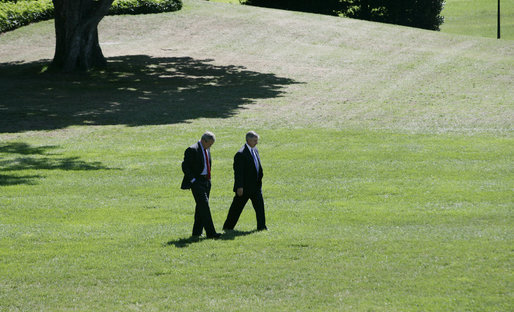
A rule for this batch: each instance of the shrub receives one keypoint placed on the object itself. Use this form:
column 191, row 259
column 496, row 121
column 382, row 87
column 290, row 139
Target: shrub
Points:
column 144, row 6
column 17, row 13
column 328, row 7
column 415, row 13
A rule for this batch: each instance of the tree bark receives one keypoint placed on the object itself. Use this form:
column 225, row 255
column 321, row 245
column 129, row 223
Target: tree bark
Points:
column 76, row 34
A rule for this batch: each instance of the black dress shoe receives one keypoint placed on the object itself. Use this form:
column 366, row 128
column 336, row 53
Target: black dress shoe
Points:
column 214, row 236
column 262, row 229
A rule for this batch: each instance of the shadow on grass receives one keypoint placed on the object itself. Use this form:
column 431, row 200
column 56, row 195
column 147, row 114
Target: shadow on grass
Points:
column 136, row 90
column 185, row 242
column 20, row 156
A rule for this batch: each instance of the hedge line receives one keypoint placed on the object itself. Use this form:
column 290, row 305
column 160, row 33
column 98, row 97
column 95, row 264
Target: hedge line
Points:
column 413, row 13
column 17, row 13
column 14, row 15
column 144, row 6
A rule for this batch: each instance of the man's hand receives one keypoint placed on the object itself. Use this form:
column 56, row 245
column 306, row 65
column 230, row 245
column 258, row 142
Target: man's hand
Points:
column 239, row 192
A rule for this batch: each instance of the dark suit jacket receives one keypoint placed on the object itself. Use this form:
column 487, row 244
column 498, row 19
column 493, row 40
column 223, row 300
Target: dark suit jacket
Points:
column 245, row 173
column 193, row 165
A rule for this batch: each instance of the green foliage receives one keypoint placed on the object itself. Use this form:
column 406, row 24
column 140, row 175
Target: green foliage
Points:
column 14, row 14
column 415, row 13
column 144, row 6
column 329, row 7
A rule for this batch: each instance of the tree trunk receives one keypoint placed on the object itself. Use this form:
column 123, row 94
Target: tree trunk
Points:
column 76, row 34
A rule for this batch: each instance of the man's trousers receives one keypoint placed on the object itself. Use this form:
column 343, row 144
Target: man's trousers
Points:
column 201, row 189
column 238, row 204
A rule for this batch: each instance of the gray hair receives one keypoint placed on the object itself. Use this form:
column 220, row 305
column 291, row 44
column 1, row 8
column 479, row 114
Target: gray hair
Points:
column 208, row 137
column 251, row 135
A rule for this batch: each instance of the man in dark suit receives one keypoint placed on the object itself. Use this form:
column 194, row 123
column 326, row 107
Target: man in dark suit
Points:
column 197, row 177
column 247, row 183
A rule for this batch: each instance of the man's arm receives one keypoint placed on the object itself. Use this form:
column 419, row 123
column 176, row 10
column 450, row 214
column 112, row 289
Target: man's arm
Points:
column 187, row 165
column 239, row 173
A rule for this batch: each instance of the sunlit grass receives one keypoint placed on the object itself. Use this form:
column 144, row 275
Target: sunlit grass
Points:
column 367, row 220
column 478, row 18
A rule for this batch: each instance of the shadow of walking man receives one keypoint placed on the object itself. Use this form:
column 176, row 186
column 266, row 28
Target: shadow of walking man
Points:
column 185, row 242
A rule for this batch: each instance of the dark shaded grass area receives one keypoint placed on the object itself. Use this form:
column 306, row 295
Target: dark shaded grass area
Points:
column 20, row 156
column 135, row 90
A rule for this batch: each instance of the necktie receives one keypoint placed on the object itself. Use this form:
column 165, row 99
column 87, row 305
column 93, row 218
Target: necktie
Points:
column 208, row 164
column 255, row 159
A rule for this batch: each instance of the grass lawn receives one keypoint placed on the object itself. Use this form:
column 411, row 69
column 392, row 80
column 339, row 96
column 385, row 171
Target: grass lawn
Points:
column 387, row 154
column 478, row 18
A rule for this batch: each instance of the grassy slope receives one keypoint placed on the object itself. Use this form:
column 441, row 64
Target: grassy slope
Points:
column 356, row 74
column 402, row 200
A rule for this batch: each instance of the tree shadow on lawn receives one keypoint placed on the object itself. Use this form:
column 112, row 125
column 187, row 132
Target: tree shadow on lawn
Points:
column 185, row 242
column 36, row 158
column 135, row 90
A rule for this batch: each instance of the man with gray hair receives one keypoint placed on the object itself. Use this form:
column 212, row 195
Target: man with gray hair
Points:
column 197, row 177
column 247, row 184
